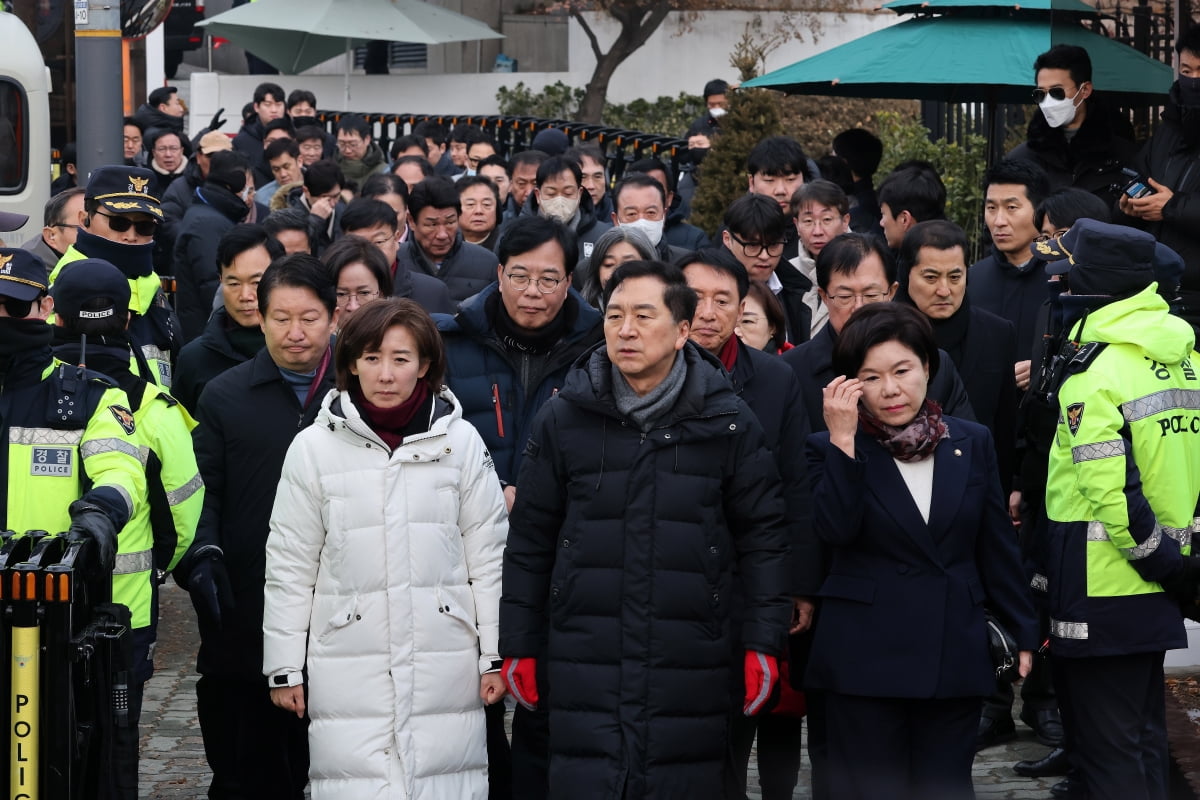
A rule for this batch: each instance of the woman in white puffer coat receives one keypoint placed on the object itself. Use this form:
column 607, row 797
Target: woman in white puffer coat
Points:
column 383, row 573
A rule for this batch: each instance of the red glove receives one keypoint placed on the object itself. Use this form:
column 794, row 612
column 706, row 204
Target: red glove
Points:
column 520, row 677
column 762, row 676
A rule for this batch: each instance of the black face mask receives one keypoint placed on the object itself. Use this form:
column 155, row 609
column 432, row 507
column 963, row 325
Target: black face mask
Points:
column 1189, row 90
column 20, row 336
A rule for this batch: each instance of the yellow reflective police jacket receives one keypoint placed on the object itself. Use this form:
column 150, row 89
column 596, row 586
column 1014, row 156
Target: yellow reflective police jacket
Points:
column 1123, row 481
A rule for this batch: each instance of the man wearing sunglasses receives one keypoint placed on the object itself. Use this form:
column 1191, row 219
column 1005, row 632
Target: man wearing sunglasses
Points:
column 118, row 223
column 1072, row 135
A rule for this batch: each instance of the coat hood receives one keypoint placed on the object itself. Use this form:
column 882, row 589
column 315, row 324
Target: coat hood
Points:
column 1143, row 321
column 339, row 414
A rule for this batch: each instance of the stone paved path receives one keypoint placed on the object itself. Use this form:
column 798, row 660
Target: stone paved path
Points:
column 173, row 764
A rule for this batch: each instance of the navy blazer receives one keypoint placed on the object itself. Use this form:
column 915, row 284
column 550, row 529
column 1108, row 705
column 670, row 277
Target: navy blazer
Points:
column 902, row 606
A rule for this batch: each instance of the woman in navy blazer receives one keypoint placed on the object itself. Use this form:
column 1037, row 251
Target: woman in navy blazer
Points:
column 911, row 505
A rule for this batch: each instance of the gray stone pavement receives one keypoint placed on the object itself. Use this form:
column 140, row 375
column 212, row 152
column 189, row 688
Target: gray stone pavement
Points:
column 173, row 764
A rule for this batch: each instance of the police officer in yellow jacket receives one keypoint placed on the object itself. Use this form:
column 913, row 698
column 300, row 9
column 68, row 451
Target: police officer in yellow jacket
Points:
column 118, row 223
column 91, row 313
column 1122, row 487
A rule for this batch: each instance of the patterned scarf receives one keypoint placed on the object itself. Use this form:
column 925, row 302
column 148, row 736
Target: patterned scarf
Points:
column 914, row 441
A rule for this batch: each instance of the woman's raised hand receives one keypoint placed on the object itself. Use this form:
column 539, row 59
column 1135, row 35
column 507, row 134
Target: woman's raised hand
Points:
column 841, row 411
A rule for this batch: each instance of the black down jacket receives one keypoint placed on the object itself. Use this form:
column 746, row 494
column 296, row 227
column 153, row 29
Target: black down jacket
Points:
column 620, row 568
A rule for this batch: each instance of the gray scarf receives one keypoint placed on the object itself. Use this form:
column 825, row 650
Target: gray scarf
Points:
column 647, row 409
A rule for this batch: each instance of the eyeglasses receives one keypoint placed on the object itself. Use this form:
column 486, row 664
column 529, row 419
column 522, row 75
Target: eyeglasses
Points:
column 754, row 250
column 1046, row 237
column 545, row 284
column 845, row 300
column 165, row 150
column 363, row 296
column 144, row 227
column 821, row 222
column 1057, row 93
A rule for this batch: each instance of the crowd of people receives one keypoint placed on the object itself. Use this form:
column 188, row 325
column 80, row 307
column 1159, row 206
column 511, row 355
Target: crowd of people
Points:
column 439, row 433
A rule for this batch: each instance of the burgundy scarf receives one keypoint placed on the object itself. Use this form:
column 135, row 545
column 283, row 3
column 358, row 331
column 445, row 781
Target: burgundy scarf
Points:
column 914, row 441
column 389, row 423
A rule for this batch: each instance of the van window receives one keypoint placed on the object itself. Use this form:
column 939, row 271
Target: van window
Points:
column 14, row 138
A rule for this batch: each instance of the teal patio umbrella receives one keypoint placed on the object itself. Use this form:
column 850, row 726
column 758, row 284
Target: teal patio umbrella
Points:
column 963, row 58
column 295, row 35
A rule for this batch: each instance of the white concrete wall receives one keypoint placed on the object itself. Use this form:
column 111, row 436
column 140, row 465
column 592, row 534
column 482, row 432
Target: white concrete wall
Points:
column 667, row 65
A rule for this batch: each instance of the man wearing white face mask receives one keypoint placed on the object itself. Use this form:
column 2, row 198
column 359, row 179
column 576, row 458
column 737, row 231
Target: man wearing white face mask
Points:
column 1072, row 135
column 559, row 195
column 639, row 201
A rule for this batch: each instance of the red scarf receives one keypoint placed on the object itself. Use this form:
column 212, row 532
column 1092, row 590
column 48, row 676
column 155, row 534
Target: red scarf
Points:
column 729, row 353
column 389, row 423
column 915, row 440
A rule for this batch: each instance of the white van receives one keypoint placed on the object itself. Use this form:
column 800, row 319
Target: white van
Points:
column 24, row 128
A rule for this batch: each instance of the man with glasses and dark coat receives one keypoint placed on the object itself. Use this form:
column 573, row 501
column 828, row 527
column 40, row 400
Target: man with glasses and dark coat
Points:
column 118, row 223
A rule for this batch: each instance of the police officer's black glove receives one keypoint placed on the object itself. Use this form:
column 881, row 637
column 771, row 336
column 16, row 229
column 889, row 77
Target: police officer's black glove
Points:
column 91, row 522
column 217, row 121
column 208, row 583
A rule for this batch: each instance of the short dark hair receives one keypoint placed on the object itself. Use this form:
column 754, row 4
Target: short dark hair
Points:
column 53, row 211
column 402, row 143
column 435, row 191
column 878, row 323
column 716, row 86
column 648, row 165
column 431, row 129
column 678, row 297
column 298, row 271
column 323, row 176
column 638, row 180
column 161, row 96
column 133, row 121
column 265, row 90
column 307, row 133
column 350, row 249
column 298, row 96
column 421, row 162
column 1189, row 40
column 756, row 216
column 527, row 158
column 110, row 325
column 822, row 192
column 916, row 188
column 554, row 166
column 495, row 161
column 778, row 155
column 355, row 123
column 364, row 332
column 940, row 234
column 467, row 133
column 149, row 139
column 584, row 150
column 1066, row 206
column 722, row 261
column 383, row 183
column 486, row 139
column 281, row 147
column 530, row 232
column 282, row 124
column 366, row 212
column 228, row 169
column 287, row 219
column 242, row 237
column 1070, row 57
column 1020, row 172
column 861, row 149
column 845, row 252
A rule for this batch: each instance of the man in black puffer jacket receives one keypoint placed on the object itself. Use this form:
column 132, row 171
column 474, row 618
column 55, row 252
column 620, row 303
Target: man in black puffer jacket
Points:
column 646, row 485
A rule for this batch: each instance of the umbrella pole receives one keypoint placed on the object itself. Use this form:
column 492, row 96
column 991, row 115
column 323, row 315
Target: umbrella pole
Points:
column 349, row 68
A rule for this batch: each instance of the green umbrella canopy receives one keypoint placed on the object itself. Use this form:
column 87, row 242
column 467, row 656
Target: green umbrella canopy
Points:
column 1055, row 6
column 964, row 59
column 295, row 35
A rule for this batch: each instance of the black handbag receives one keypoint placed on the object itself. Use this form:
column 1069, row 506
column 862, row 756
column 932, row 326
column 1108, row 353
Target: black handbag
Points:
column 1003, row 648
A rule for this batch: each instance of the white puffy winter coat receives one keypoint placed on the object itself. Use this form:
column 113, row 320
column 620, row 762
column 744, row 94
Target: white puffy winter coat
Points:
column 385, row 568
